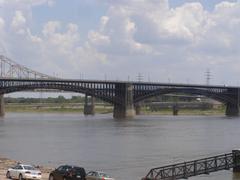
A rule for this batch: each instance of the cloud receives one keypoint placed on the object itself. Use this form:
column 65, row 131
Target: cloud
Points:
column 155, row 37
column 132, row 36
column 2, row 23
column 18, row 22
column 25, row 2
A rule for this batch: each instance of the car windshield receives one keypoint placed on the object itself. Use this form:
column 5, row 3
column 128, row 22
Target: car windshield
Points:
column 28, row 167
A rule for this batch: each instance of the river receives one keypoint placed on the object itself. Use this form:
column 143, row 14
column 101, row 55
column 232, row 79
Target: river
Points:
column 125, row 149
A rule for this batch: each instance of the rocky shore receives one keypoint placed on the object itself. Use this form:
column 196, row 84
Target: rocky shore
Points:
column 6, row 163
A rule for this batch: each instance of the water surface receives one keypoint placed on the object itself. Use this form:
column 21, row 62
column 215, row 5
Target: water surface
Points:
column 125, row 149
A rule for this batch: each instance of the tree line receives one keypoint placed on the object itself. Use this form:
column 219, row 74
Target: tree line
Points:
column 59, row 99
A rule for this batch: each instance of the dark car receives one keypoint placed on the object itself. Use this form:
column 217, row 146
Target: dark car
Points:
column 67, row 172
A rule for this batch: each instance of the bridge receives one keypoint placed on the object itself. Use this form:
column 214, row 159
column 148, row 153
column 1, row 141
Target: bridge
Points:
column 123, row 95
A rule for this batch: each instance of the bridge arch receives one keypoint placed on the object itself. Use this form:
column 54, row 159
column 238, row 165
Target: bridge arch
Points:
column 68, row 88
column 191, row 91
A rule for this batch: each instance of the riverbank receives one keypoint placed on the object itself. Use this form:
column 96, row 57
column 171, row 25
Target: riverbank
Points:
column 101, row 109
column 55, row 108
column 6, row 163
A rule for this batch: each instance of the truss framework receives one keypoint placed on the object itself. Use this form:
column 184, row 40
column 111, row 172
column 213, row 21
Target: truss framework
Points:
column 11, row 69
column 193, row 168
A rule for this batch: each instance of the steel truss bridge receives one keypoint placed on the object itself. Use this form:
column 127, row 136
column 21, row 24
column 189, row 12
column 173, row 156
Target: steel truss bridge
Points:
column 123, row 95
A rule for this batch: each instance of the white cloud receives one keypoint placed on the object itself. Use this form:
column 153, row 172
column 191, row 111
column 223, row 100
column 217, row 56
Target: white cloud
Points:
column 188, row 21
column 133, row 36
column 65, row 42
column 19, row 22
column 50, row 28
column 25, row 2
column 98, row 39
column 2, row 24
column 155, row 37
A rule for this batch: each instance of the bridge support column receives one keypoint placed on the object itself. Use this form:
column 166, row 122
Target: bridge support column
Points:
column 175, row 109
column 138, row 109
column 89, row 105
column 232, row 109
column 236, row 160
column 2, row 107
column 124, row 94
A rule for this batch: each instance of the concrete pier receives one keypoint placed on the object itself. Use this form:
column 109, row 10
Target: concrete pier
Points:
column 125, row 109
column 138, row 108
column 236, row 160
column 89, row 105
column 232, row 109
column 2, row 107
column 175, row 109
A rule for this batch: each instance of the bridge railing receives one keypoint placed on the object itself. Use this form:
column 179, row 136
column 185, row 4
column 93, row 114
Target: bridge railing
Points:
column 192, row 168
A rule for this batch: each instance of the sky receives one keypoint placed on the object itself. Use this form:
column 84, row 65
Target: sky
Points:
column 173, row 41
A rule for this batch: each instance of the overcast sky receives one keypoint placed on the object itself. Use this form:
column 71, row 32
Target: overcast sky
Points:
column 164, row 40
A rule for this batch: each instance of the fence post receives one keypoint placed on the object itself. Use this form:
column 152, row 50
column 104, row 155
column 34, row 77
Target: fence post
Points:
column 215, row 164
column 195, row 168
column 226, row 162
column 185, row 171
column 173, row 171
column 236, row 160
column 206, row 166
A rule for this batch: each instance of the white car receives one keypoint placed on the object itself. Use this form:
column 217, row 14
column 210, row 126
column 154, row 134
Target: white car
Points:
column 98, row 175
column 23, row 171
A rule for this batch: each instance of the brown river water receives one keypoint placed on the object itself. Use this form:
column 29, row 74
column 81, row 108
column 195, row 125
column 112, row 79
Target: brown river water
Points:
column 125, row 149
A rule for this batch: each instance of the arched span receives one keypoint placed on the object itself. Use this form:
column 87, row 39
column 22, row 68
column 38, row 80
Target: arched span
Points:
column 221, row 97
column 100, row 93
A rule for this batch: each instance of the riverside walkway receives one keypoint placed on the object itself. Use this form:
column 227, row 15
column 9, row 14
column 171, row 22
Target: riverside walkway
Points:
column 196, row 167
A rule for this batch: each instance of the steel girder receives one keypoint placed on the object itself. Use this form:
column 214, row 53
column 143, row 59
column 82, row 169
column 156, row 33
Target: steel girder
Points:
column 220, row 94
column 109, row 90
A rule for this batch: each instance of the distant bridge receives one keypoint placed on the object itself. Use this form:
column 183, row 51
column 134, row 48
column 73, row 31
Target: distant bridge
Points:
column 11, row 69
column 123, row 95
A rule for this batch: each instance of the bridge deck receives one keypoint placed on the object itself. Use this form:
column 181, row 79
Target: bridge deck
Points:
column 192, row 168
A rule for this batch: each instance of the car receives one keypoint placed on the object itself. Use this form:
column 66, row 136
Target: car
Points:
column 23, row 171
column 67, row 172
column 98, row 175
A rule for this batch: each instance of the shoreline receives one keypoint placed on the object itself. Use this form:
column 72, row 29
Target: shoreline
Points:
column 6, row 163
column 105, row 109
column 22, row 109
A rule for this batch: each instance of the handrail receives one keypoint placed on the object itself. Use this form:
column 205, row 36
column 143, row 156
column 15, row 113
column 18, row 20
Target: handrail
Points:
column 191, row 168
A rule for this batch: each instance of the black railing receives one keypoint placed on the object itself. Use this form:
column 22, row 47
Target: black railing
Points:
column 192, row 168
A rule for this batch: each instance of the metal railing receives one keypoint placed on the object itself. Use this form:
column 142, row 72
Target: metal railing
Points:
column 192, row 168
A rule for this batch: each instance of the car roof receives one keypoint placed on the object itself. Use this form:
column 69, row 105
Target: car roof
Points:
column 100, row 172
column 71, row 166
column 25, row 165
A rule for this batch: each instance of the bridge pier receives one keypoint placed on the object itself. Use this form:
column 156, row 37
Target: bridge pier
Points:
column 232, row 109
column 89, row 105
column 138, row 109
column 2, row 107
column 236, row 160
column 125, row 109
column 175, row 109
